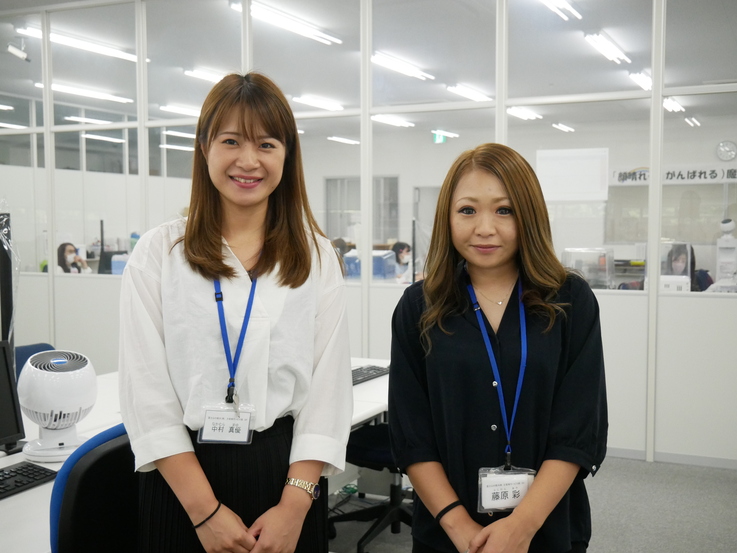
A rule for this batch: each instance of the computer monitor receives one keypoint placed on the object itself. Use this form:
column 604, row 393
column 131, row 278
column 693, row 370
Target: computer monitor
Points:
column 105, row 266
column 11, row 422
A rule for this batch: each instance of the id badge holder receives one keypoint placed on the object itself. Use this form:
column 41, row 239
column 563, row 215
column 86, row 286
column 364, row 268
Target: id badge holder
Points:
column 224, row 424
column 502, row 490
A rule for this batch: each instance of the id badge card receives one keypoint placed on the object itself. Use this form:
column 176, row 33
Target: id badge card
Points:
column 224, row 424
column 502, row 490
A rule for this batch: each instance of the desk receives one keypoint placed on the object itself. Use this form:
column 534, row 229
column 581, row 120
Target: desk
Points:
column 24, row 517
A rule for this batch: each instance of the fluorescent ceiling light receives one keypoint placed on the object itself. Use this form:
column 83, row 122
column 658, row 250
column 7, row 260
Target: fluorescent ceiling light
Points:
column 671, row 105
column 77, row 119
column 103, row 138
column 343, row 140
column 403, row 67
column 300, row 131
column 644, row 81
column 205, row 75
column 177, row 147
column 12, row 126
column 18, row 52
column 564, row 128
column 80, row 44
column 559, row 5
column 193, row 112
column 3, row 107
column 523, row 113
column 181, row 134
column 445, row 133
column 318, row 102
column 607, row 48
column 86, row 93
column 287, row 21
column 470, row 93
column 692, row 121
column 391, row 120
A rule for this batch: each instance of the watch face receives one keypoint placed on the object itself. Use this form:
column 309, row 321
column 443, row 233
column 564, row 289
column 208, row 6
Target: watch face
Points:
column 727, row 151
column 316, row 491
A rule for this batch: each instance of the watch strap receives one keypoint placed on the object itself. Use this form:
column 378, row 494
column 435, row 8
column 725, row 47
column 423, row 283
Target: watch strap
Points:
column 309, row 487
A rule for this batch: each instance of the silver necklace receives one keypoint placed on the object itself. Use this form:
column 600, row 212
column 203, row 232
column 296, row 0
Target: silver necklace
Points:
column 500, row 302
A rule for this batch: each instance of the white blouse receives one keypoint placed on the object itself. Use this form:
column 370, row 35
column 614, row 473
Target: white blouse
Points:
column 295, row 358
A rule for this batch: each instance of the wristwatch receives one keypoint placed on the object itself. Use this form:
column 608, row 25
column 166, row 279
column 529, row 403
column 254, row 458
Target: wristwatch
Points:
column 310, row 487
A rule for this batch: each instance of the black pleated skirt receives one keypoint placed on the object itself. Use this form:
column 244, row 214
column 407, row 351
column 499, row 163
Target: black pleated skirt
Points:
column 249, row 479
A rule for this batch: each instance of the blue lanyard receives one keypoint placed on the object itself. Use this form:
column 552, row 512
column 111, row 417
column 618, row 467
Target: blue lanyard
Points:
column 233, row 362
column 522, row 366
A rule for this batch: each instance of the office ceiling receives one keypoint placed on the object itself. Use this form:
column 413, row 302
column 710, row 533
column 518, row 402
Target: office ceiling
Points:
column 453, row 41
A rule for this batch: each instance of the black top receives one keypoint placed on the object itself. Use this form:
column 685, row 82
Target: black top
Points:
column 443, row 407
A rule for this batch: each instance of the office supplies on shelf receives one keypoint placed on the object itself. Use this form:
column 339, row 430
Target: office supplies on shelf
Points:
column 23, row 476
column 368, row 372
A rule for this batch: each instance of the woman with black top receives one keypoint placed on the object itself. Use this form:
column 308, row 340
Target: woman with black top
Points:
column 497, row 372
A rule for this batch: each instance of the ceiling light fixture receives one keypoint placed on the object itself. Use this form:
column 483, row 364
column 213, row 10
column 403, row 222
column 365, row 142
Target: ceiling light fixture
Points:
column 177, row 147
column 558, row 6
column 287, row 21
column 692, row 121
column 343, row 140
column 3, row 107
column 468, row 92
column 445, row 133
column 205, row 75
column 103, row 138
column 192, row 112
column 80, row 44
column 86, row 93
column 564, row 128
column 12, row 126
column 400, row 66
column 181, row 134
column 18, row 52
column 300, row 131
column 671, row 105
column 607, row 48
column 391, row 120
column 643, row 81
column 523, row 113
column 318, row 102
column 77, row 119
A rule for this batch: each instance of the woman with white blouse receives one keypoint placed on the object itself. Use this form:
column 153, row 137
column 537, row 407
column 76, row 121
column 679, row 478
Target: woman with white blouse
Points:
column 234, row 365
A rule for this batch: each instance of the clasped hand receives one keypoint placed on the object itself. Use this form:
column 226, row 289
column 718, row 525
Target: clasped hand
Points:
column 276, row 531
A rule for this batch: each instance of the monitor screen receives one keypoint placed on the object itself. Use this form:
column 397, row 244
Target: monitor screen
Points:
column 11, row 422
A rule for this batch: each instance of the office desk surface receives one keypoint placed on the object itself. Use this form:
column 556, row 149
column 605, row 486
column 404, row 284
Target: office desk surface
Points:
column 24, row 517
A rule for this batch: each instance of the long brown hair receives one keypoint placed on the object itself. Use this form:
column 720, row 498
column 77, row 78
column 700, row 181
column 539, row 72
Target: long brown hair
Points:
column 261, row 106
column 541, row 273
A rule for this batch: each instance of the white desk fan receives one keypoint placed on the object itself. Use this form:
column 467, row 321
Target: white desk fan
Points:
column 56, row 390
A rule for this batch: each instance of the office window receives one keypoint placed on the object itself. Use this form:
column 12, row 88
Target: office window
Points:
column 419, row 34
column 343, row 203
column 104, row 150
column 15, row 150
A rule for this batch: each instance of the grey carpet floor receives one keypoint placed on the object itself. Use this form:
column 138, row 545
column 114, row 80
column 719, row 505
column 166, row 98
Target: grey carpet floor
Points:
column 637, row 507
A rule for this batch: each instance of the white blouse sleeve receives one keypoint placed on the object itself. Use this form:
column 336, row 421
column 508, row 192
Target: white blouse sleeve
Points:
column 323, row 424
column 151, row 411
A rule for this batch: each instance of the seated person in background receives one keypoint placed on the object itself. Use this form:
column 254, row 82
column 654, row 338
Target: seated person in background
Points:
column 68, row 261
column 404, row 261
column 340, row 246
column 676, row 263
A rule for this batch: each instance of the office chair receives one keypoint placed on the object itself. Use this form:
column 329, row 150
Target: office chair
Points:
column 368, row 447
column 94, row 502
column 23, row 353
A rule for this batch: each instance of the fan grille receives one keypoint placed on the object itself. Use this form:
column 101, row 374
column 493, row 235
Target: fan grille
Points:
column 58, row 361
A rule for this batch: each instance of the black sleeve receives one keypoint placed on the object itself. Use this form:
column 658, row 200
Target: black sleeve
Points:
column 410, row 416
column 578, row 430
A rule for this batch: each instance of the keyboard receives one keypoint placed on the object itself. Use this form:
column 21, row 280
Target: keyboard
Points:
column 23, row 476
column 368, row 372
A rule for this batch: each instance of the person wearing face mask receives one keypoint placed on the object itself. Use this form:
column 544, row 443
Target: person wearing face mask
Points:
column 678, row 264
column 404, row 258
column 68, row 261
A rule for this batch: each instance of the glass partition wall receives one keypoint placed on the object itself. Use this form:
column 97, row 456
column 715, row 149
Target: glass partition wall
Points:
column 386, row 95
